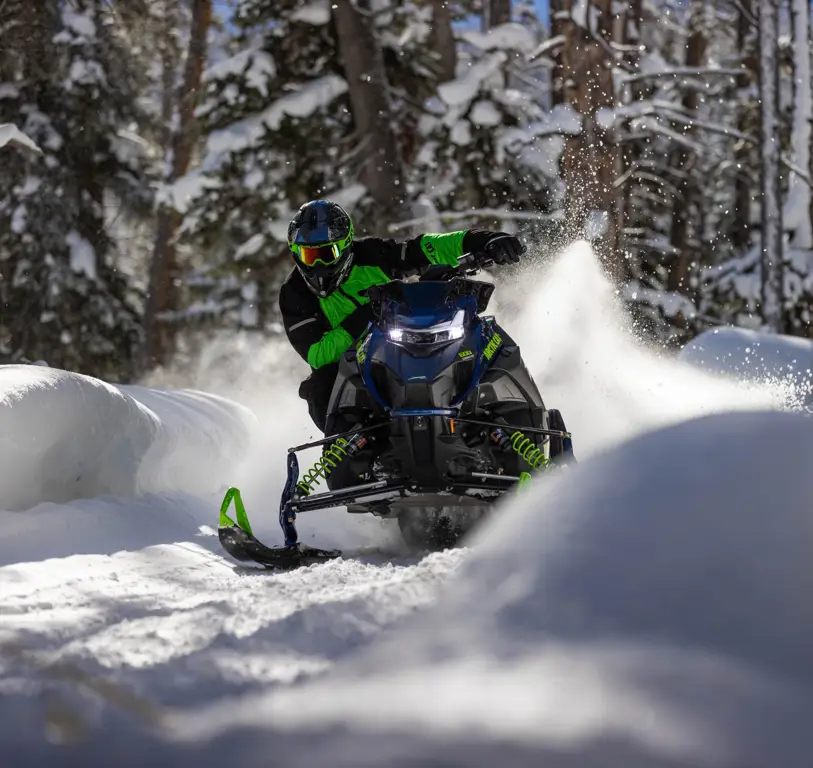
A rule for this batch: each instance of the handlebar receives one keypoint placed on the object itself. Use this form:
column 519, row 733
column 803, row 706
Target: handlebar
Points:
column 471, row 263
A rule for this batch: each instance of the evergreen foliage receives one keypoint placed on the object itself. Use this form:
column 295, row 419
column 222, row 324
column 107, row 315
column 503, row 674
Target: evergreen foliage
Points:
column 73, row 88
column 484, row 121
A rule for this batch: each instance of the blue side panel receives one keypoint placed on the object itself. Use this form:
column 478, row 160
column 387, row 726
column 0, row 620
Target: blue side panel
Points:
column 376, row 339
column 479, row 366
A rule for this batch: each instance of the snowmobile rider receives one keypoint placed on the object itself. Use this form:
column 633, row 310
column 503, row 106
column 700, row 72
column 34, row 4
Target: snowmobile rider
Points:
column 321, row 308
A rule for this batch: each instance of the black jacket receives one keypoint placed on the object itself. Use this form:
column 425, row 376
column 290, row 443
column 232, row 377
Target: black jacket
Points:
column 305, row 322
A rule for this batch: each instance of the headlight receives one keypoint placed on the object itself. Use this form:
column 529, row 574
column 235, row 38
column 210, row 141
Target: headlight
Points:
column 436, row 334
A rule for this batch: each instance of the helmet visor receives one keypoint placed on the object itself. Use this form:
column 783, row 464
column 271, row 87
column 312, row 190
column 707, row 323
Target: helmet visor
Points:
column 311, row 255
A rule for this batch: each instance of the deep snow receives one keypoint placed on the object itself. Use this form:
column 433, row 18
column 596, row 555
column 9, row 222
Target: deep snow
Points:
column 654, row 599
column 64, row 436
column 752, row 355
column 121, row 617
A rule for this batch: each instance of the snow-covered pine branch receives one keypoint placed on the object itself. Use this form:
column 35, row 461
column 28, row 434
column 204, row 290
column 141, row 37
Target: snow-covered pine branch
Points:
column 448, row 217
column 11, row 135
column 549, row 46
column 684, row 72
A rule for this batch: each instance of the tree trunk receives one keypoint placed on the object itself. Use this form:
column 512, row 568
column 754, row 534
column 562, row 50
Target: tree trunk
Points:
column 163, row 286
column 741, row 232
column 558, row 26
column 496, row 12
column 772, row 257
column 629, row 152
column 170, row 62
column 443, row 42
column 364, row 71
column 798, row 209
column 687, row 188
column 590, row 161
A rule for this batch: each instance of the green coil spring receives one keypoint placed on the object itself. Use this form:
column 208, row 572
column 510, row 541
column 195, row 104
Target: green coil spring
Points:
column 331, row 458
column 528, row 450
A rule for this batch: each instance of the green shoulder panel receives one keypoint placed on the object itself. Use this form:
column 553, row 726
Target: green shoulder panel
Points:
column 338, row 306
column 363, row 277
column 443, row 249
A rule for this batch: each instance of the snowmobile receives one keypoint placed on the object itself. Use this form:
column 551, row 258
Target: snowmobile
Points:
column 433, row 417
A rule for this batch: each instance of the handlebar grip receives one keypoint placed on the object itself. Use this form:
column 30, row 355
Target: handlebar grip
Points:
column 475, row 260
column 466, row 260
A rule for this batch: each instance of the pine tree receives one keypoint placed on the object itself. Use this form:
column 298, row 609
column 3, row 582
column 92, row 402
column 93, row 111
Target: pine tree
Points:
column 487, row 149
column 68, row 79
column 163, row 292
column 277, row 122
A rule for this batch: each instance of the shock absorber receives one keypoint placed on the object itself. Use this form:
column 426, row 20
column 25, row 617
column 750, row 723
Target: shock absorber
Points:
column 522, row 445
column 529, row 451
column 332, row 456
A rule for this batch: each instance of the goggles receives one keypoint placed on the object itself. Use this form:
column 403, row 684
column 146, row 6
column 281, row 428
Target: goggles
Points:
column 311, row 255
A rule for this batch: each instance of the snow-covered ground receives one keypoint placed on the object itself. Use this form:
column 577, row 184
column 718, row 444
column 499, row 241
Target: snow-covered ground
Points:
column 615, row 616
column 64, row 436
column 751, row 355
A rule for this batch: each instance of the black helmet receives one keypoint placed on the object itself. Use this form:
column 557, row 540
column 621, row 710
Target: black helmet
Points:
column 321, row 236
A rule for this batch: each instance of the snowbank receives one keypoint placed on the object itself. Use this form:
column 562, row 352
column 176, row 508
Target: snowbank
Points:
column 648, row 608
column 64, row 436
column 752, row 355
column 11, row 135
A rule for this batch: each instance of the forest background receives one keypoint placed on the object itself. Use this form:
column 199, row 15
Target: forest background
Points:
column 177, row 137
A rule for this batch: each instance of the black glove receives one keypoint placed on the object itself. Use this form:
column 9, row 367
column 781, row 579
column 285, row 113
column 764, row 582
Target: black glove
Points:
column 356, row 322
column 504, row 249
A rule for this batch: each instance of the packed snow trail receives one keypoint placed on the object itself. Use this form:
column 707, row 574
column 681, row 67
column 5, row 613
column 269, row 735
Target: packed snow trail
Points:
column 121, row 615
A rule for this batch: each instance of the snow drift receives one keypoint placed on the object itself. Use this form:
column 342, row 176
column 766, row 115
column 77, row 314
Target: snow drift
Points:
column 755, row 356
column 65, row 436
column 650, row 606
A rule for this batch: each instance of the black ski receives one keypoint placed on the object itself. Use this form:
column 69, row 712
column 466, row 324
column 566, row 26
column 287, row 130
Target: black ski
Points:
column 245, row 547
column 239, row 541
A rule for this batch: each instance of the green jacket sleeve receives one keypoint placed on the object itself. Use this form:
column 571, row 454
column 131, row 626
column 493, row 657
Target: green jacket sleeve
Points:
column 443, row 249
column 410, row 257
column 329, row 348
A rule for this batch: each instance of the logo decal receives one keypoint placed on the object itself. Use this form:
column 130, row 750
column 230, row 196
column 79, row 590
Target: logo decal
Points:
column 361, row 350
column 492, row 346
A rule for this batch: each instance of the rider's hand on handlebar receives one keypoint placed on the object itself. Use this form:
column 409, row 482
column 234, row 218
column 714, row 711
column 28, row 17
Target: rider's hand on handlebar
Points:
column 504, row 249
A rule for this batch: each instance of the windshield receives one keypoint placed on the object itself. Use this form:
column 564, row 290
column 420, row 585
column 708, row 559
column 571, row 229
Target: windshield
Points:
column 422, row 304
